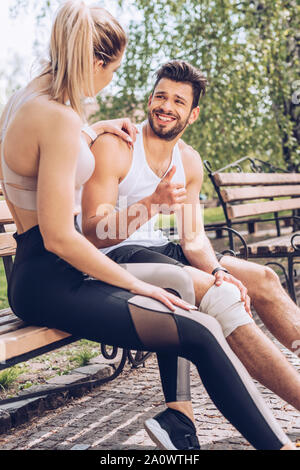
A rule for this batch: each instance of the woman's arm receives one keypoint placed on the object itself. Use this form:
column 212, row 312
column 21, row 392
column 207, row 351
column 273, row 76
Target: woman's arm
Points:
column 59, row 147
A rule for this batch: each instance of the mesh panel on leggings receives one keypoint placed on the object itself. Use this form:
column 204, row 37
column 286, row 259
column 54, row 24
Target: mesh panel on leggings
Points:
column 157, row 330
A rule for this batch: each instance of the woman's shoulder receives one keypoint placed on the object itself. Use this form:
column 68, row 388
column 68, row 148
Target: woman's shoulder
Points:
column 51, row 114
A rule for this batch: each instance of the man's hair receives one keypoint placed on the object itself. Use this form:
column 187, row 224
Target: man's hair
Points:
column 180, row 71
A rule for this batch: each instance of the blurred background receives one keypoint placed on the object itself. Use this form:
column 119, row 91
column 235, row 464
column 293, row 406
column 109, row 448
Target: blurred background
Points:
column 249, row 51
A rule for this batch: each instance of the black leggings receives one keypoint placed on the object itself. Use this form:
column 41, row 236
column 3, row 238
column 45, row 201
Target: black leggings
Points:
column 45, row 290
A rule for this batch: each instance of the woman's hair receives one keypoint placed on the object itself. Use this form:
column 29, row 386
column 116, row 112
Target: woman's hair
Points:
column 80, row 34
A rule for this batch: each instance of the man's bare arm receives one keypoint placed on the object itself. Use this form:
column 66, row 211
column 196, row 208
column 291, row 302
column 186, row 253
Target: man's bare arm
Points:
column 195, row 244
column 101, row 223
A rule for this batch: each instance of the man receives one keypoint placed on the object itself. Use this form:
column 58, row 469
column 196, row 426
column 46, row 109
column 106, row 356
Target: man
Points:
column 120, row 205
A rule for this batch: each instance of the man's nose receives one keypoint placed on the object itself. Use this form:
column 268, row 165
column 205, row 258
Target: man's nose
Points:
column 167, row 106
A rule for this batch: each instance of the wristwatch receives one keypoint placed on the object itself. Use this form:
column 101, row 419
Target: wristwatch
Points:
column 219, row 269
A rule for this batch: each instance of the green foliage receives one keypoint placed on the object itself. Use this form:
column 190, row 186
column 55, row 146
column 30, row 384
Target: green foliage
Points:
column 85, row 353
column 250, row 52
column 8, row 376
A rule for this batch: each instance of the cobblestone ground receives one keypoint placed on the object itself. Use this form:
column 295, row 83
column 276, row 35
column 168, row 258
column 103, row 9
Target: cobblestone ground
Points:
column 111, row 417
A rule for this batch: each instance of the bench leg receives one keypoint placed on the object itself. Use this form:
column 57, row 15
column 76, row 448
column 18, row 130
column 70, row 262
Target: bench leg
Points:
column 252, row 226
column 291, row 279
column 8, row 264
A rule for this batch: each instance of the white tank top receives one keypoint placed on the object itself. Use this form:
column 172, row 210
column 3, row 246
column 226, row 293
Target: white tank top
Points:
column 139, row 183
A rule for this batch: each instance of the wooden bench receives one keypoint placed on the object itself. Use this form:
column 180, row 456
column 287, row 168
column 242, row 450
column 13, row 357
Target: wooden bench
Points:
column 20, row 342
column 259, row 197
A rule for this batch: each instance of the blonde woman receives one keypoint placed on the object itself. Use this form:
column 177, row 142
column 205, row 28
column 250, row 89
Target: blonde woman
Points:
column 59, row 278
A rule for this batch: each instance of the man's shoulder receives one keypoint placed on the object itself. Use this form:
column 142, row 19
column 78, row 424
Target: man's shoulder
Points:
column 111, row 150
column 191, row 159
column 112, row 141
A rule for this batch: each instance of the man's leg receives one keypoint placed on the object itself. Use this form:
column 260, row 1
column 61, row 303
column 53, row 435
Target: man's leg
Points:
column 271, row 302
column 263, row 360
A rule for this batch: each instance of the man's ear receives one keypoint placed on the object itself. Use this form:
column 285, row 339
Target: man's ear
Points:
column 150, row 99
column 194, row 115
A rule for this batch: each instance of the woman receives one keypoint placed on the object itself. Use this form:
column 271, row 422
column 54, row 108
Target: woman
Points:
column 59, row 278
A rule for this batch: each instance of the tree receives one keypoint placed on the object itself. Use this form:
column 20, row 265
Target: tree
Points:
column 249, row 51
column 244, row 112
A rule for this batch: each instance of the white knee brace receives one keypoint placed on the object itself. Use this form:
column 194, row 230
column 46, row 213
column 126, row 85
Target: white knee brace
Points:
column 224, row 304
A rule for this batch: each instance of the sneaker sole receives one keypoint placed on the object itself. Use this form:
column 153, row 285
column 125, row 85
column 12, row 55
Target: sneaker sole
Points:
column 158, row 435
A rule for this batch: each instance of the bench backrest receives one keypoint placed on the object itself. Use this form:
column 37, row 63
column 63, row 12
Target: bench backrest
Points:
column 240, row 193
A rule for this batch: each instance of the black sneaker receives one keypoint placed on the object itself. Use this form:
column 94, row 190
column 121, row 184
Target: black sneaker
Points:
column 172, row 430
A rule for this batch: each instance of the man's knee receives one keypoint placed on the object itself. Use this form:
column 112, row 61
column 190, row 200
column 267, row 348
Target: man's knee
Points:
column 224, row 304
column 267, row 281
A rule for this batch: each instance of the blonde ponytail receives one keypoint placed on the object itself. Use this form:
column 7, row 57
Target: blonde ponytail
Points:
column 79, row 35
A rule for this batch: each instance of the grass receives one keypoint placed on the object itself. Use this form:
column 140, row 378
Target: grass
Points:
column 3, row 288
column 8, row 376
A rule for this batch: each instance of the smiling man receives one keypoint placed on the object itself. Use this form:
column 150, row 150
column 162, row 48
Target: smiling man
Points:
column 120, row 206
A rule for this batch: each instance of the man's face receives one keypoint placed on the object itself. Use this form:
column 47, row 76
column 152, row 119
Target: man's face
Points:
column 170, row 108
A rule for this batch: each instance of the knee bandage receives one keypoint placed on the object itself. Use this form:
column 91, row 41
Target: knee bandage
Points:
column 224, row 304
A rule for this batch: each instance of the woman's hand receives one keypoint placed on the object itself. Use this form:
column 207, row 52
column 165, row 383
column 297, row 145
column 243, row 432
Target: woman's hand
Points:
column 122, row 127
column 167, row 298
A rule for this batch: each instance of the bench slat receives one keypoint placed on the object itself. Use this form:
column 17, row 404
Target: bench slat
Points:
column 5, row 311
column 239, row 194
column 239, row 179
column 5, row 214
column 27, row 339
column 279, row 245
column 13, row 326
column 246, row 210
column 7, row 244
column 8, row 319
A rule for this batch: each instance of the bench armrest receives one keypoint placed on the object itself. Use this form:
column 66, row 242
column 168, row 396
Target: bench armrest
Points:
column 232, row 232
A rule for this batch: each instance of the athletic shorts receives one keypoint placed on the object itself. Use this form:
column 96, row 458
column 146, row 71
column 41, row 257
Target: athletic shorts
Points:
column 170, row 253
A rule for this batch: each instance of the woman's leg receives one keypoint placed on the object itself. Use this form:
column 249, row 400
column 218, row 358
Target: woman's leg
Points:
column 199, row 338
column 88, row 308
column 174, row 370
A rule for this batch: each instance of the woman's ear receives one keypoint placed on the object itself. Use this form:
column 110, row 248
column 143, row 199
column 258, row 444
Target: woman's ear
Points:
column 98, row 64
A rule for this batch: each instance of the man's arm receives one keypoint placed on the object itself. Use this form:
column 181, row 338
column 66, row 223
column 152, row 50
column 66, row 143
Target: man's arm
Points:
column 195, row 244
column 101, row 223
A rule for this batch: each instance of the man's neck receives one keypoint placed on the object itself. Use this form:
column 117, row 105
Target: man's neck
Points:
column 157, row 149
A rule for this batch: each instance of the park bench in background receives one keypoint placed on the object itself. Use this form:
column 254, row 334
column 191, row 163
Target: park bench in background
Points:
column 20, row 342
column 261, row 194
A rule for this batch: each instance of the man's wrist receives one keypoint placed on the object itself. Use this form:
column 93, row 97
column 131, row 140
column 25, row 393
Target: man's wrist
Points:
column 219, row 268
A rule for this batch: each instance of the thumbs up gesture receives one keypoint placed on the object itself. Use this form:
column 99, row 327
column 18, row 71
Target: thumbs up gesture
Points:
column 169, row 195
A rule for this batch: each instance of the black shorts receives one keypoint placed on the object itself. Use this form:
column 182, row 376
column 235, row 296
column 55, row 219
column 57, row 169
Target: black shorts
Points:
column 170, row 253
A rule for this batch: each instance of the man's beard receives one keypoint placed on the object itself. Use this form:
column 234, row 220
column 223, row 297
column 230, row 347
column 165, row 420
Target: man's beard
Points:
column 167, row 135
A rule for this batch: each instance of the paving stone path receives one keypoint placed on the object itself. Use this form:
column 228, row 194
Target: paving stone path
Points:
column 111, row 417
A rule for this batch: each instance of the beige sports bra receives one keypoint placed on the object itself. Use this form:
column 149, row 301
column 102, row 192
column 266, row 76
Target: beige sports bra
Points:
column 25, row 195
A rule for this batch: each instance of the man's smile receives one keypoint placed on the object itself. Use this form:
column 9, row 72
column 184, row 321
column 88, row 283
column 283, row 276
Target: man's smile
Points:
column 164, row 118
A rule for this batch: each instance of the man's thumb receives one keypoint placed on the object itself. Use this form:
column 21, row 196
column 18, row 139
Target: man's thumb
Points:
column 170, row 174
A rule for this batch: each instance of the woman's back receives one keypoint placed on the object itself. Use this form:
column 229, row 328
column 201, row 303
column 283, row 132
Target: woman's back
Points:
column 25, row 120
column 19, row 152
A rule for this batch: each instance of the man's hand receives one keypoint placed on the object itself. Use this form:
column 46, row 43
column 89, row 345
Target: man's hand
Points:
column 221, row 276
column 169, row 194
